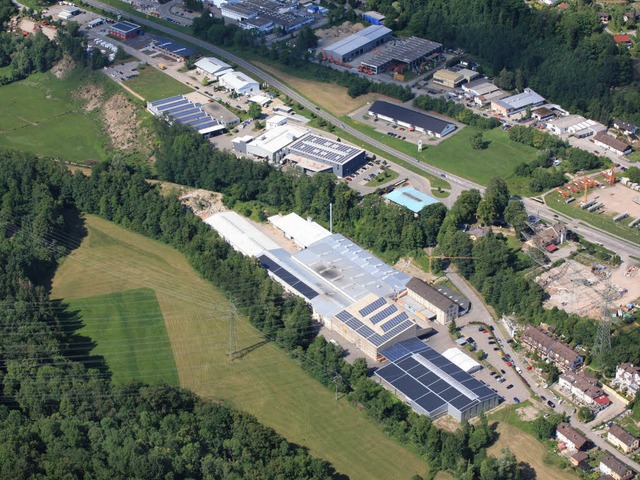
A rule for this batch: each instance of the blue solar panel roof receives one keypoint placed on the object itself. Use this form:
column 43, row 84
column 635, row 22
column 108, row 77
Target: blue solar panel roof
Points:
column 394, row 322
column 166, row 100
column 381, row 315
column 429, row 379
column 287, row 277
column 372, row 307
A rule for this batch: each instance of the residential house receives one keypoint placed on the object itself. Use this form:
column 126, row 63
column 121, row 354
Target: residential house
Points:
column 610, row 465
column 563, row 356
column 625, row 127
column 570, row 436
column 580, row 460
column 622, row 439
column 604, row 17
column 622, row 39
column 628, row 377
column 630, row 16
column 556, row 234
column 584, row 388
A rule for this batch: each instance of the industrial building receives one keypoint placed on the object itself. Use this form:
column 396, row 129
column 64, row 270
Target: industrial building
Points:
column 461, row 359
column 211, row 66
column 303, row 232
column 374, row 18
column 69, row 13
column 517, row 103
column 612, row 144
column 448, row 78
column 265, row 15
column 400, row 55
column 481, row 86
column 180, row 109
column 174, row 50
column 431, row 384
column 240, row 234
column 276, row 121
column 444, row 308
column 269, row 145
column 410, row 198
column 239, row 83
column 125, row 30
column 411, row 119
column 374, row 323
column 575, row 125
column 361, row 42
column 342, row 158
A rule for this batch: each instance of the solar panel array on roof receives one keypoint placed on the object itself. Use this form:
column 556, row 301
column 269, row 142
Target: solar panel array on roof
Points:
column 372, row 307
column 287, row 277
column 381, row 315
column 185, row 112
column 174, row 47
column 323, row 149
column 166, row 100
column 430, row 380
column 395, row 321
column 368, row 333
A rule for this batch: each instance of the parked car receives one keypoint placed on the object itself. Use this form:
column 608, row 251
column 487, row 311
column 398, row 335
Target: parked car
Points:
column 491, row 342
column 492, row 373
column 516, row 399
column 504, row 359
column 480, row 328
column 543, row 398
column 503, row 371
column 551, row 404
column 510, row 386
column 495, row 349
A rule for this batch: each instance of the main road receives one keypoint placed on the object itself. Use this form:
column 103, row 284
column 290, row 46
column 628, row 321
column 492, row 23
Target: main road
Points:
column 619, row 245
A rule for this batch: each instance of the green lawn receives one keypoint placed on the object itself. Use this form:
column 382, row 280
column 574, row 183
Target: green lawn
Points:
column 129, row 330
column 152, row 84
column 265, row 383
column 38, row 115
column 384, row 177
column 456, row 155
column 601, row 221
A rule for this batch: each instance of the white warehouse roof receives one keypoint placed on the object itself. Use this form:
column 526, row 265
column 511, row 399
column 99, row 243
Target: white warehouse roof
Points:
column 462, row 360
column 274, row 140
column 211, row 65
column 240, row 234
column 303, row 232
column 237, row 80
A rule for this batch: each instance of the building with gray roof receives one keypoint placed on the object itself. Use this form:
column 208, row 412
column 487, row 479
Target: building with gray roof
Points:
column 400, row 55
column 360, row 42
column 342, row 158
column 181, row 110
column 411, row 119
column 445, row 309
column 517, row 103
column 431, row 384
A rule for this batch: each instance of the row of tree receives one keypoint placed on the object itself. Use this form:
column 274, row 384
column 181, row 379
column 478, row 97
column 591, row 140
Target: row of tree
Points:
column 456, row 111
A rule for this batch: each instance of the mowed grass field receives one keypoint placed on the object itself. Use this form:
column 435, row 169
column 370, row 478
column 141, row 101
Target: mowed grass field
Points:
column 265, row 383
column 129, row 331
column 38, row 115
column 152, row 84
column 330, row 96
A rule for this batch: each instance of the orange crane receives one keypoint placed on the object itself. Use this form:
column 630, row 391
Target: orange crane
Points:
column 442, row 257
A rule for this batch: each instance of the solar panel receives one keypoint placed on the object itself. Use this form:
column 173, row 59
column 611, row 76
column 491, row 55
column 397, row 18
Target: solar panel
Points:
column 372, row 307
column 408, row 363
column 410, row 387
column 462, row 403
column 168, row 106
column 287, row 277
column 390, row 373
column 376, row 339
column 428, row 378
column 166, row 100
column 397, row 320
column 354, row 323
column 398, row 350
column 400, row 328
column 365, row 331
column 430, row 402
column 381, row 315
column 343, row 316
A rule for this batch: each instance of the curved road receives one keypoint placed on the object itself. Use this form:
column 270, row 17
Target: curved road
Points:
column 623, row 247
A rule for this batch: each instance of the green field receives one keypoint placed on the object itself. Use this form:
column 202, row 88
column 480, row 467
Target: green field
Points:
column 130, row 334
column 38, row 115
column 456, row 155
column 265, row 383
column 601, row 221
column 152, row 84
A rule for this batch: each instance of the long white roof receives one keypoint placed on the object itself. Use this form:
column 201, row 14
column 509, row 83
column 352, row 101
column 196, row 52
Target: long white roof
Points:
column 237, row 80
column 462, row 360
column 212, row 65
column 303, row 232
column 240, row 234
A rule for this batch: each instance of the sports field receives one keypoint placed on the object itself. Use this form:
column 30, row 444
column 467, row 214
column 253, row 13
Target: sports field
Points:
column 152, row 84
column 265, row 383
column 38, row 115
column 329, row 96
column 129, row 331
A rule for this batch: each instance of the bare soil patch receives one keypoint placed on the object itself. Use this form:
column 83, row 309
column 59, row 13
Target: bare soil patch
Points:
column 617, row 199
column 61, row 68
column 121, row 124
column 91, row 95
column 203, row 203
column 528, row 413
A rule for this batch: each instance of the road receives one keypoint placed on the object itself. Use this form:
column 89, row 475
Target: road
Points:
column 458, row 184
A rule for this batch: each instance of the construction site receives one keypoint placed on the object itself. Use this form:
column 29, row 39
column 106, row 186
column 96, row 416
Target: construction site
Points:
column 592, row 289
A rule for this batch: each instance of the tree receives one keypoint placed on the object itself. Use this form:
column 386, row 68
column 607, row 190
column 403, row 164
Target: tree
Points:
column 516, row 215
column 255, row 111
column 585, row 414
column 481, row 355
column 634, row 174
column 453, row 328
column 477, row 141
column 495, row 200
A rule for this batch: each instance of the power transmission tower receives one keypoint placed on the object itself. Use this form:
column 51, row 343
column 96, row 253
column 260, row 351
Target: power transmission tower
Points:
column 233, row 334
column 336, row 379
column 602, row 343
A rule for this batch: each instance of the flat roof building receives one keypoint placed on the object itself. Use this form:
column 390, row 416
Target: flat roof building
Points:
column 410, row 198
column 373, row 323
column 182, row 110
column 444, row 308
column 239, row 83
column 517, row 103
column 399, row 55
column 271, row 144
column 174, row 50
column 361, row 42
column 448, row 78
column 303, row 232
column 374, row 18
column 411, row 119
column 431, row 384
column 344, row 159
column 125, row 30
column 240, row 234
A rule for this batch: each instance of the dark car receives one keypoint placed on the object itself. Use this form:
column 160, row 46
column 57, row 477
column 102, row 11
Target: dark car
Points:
column 551, row 404
column 492, row 373
column 471, row 340
column 516, row 399
column 543, row 398
column 504, row 359
column 510, row 386
column 503, row 371
column 491, row 342
column 495, row 349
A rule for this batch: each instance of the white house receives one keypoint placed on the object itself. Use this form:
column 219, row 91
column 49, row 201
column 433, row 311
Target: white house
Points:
column 239, row 83
column 628, row 377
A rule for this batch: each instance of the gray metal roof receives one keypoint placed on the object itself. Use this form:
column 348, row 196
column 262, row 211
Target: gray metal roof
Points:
column 405, row 51
column 324, row 150
column 350, row 269
column 358, row 40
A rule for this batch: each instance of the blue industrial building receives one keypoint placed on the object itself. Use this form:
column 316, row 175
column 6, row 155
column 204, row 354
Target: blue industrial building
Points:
column 411, row 198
